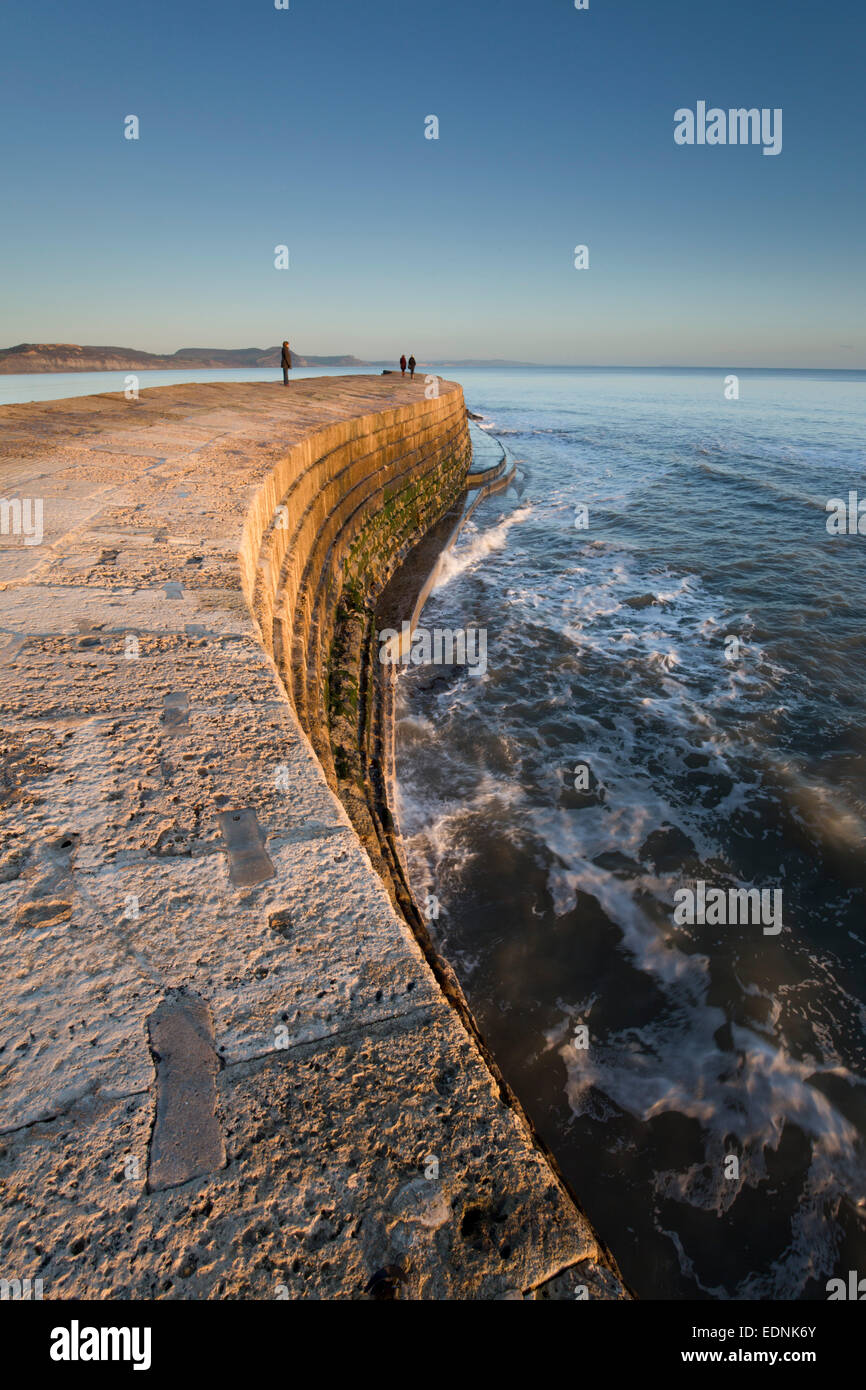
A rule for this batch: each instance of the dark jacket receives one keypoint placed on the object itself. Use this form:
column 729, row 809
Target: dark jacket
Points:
column 286, row 360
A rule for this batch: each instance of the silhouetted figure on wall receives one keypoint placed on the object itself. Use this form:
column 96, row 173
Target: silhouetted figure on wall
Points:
column 403, row 365
column 286, row 362
column 412, row 367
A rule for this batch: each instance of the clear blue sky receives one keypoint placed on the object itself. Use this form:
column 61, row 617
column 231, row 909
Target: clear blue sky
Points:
column 306, row 127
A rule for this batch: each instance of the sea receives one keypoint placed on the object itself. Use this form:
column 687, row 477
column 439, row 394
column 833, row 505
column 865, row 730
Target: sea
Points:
column 58, row 386
column 673, row 695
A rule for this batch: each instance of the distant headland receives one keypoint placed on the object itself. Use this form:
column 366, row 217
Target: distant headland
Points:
column 72, row 357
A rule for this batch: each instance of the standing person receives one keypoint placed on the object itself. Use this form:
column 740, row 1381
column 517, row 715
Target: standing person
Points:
column 403, row 365
column 412, row 367
column 286, row 362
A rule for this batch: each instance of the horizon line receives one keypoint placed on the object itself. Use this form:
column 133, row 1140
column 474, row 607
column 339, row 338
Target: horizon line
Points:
column 491, row 362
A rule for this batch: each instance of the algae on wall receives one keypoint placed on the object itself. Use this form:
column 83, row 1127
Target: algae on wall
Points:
column 340, row 512
column 352, row 667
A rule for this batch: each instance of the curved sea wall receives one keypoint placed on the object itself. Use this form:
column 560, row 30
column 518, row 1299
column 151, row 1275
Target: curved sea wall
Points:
column 324, row 535
column 231, row 1069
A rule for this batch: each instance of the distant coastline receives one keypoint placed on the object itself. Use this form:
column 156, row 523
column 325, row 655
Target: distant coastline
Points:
column 24, row 358
column 73, row 357
column 29, row 358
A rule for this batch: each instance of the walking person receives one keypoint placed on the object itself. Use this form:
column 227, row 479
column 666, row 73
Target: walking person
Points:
column 412, row 365
column 286, row 362
column 403, row 365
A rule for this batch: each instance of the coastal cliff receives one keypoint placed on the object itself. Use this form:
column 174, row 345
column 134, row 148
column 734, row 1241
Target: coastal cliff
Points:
column 76, row 357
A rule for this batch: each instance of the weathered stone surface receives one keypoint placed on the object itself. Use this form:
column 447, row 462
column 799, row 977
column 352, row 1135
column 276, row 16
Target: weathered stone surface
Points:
column 324, row 1184
column 133, row 719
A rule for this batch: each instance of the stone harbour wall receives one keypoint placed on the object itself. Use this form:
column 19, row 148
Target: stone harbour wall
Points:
column 228, row 1069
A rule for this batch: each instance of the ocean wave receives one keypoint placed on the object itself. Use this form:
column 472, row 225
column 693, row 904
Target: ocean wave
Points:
column 476, row 544
column 743, row 1100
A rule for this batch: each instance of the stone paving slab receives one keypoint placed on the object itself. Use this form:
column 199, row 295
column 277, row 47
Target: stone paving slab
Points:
column 333, row 1175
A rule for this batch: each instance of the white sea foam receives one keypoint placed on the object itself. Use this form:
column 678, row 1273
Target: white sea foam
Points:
column 824, row 809
column 476, row 544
